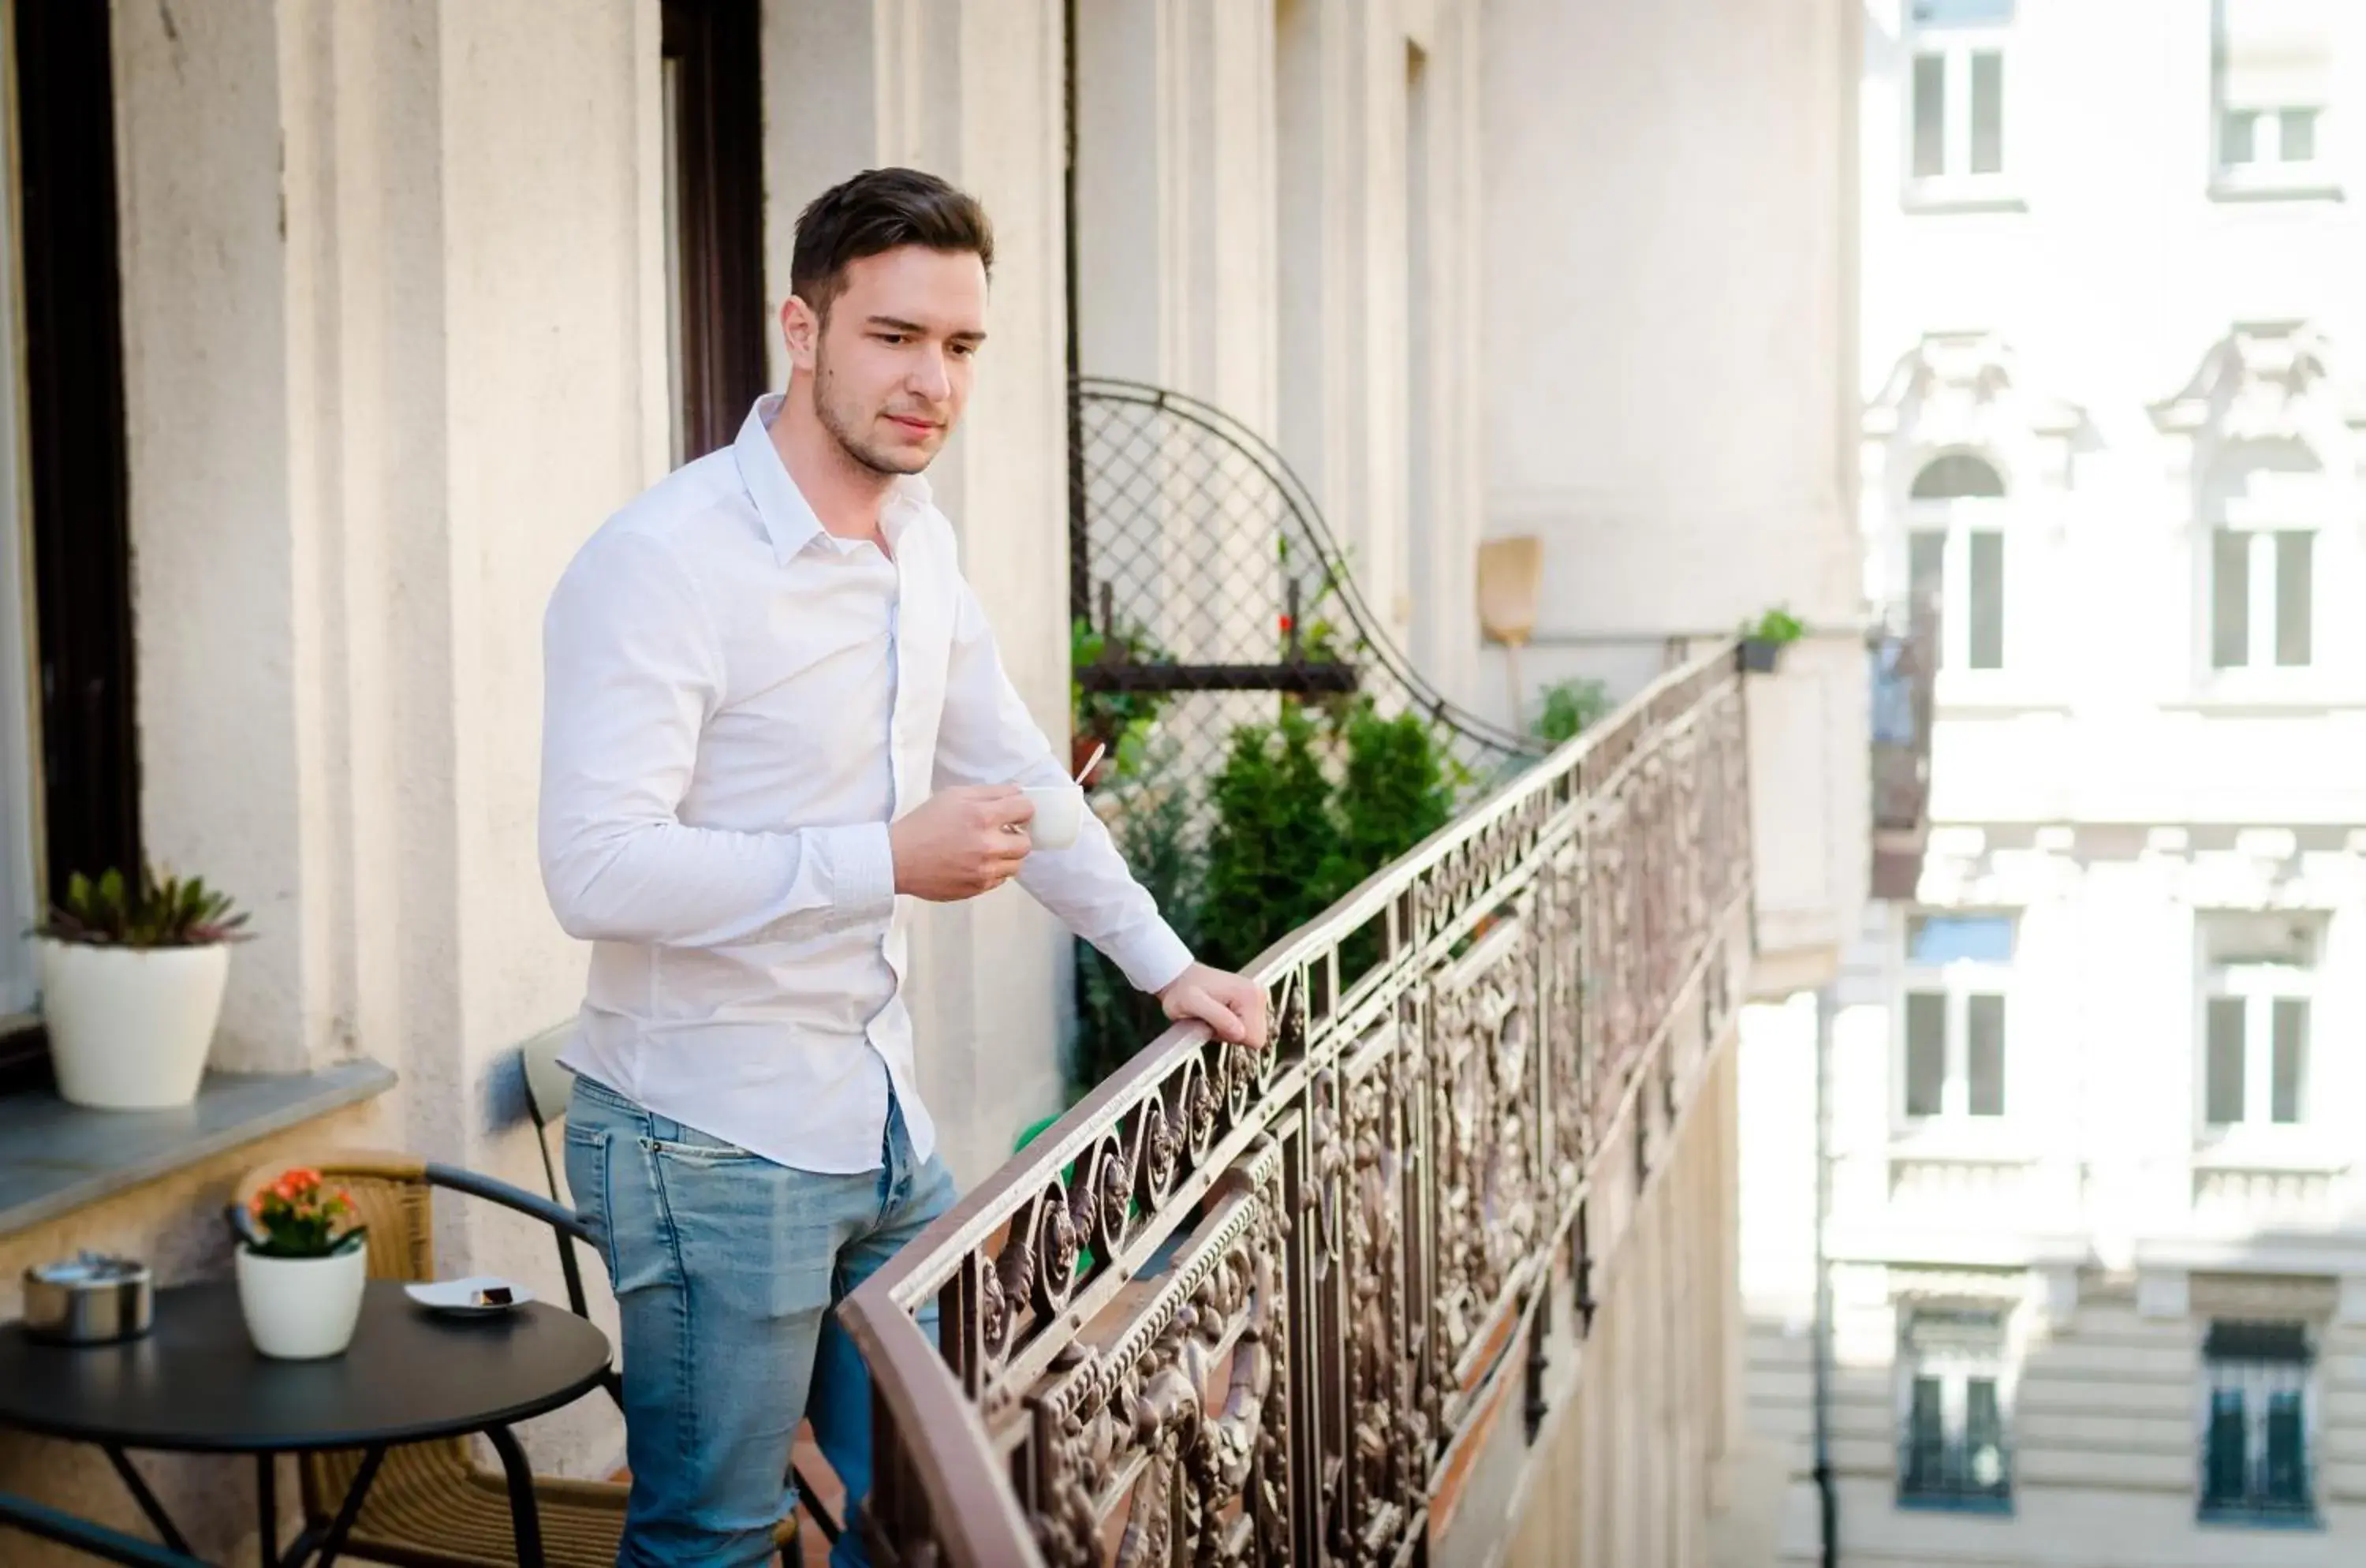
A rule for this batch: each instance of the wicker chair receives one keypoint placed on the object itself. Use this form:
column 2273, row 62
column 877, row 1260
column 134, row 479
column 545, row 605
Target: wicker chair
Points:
column 431, row 1504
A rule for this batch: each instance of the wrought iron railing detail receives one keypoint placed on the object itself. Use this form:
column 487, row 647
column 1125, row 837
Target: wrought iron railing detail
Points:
column 1246, row 1307
column 1208, row 570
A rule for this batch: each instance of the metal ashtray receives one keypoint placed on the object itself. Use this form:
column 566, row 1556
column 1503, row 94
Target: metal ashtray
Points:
column 89, row 1299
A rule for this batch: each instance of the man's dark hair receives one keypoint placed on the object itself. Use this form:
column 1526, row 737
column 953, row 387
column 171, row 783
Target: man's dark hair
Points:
column 878, row 210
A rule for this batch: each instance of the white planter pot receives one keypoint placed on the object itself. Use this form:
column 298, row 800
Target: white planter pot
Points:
column 129, row 1027
column 301, row 1309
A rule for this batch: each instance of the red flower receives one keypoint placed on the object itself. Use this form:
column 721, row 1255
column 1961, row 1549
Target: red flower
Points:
column 1285, row 625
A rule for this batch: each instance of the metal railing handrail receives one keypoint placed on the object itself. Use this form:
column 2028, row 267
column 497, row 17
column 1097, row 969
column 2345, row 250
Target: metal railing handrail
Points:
column 957, row 1468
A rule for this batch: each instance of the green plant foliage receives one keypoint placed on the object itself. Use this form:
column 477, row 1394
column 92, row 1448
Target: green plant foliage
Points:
column 1276, row 855
column 1569, row 708
column 1395, row 792
column 300, row 1216
column 1124, row 721
column 1778, row 625
column 169, row 912
column 1113, row 1020
column 1301, row 814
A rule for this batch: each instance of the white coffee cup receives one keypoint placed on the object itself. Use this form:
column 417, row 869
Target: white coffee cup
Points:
column 1059, row 814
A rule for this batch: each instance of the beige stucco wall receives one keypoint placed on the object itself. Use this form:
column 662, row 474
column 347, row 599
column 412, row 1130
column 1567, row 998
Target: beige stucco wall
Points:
column 1254, row 234
column 1634, row 1464
column 375, row 403
column 1670, row 386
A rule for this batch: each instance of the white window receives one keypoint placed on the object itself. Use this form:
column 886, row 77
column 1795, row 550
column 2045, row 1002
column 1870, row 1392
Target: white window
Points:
column 2273, row 73
column 1952, row 1015
column 1956, row 101
column 2259, row 985
column 1953, row 1446
column 2262, row 598
column 2257, row 1423
column 1954, row 551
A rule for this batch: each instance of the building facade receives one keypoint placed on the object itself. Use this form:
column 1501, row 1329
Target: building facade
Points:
column 2087, row 1215
column 374, row 308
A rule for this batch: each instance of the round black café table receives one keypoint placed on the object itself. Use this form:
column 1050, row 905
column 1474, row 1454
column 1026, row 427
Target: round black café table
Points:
column 196, row 1384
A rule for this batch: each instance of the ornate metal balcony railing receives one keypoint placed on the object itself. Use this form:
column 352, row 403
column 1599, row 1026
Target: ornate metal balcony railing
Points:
column 1249, row 1307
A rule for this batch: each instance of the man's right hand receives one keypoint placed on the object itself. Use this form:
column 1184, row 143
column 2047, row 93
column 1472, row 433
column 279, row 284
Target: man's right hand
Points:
column 962, row 842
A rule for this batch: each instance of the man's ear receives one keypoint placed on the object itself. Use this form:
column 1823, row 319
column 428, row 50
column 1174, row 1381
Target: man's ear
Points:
column 800, row 332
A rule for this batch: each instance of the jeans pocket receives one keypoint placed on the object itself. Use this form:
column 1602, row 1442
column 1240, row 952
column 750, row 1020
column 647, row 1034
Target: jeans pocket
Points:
column 675, row 1142
column 587, row 1182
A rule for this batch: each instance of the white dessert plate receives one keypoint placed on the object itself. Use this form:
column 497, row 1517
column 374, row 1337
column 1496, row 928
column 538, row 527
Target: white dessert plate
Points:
column 465, row 1298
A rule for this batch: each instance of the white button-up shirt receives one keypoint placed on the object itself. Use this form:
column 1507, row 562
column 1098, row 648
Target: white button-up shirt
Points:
column 736, row 704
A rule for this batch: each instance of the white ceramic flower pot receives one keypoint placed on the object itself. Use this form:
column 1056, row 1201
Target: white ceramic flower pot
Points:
column 129, row 1027
column 301, row 1309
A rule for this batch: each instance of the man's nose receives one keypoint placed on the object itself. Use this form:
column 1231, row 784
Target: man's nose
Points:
column 930, row 378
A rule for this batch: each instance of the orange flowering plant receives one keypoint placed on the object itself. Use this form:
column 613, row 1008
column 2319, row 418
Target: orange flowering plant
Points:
column 300, row 1216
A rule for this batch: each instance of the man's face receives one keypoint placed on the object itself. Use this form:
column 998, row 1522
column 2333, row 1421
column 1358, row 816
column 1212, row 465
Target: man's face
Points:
column 891, row 367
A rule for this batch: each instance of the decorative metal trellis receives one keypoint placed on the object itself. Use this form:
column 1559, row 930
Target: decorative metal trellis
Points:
column 1204, row 582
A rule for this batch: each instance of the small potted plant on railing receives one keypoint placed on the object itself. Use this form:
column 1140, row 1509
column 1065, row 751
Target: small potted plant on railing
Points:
column 1763, row 644
column 131, row 987
column 1119, row 720
column 303, row 1261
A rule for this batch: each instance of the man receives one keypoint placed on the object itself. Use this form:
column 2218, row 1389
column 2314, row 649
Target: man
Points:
column 772, row 707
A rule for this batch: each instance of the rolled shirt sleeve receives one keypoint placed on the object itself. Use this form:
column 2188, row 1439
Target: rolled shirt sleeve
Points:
column 987, row 736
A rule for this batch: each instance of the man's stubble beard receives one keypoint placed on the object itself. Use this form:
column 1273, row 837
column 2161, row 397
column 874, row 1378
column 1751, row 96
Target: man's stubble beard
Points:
column 838, row 421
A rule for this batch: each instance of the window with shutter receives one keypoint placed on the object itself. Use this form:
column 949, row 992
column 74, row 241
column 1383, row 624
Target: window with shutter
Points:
column 1957, row 551
column 2256, row 1437
column 1954, row 1450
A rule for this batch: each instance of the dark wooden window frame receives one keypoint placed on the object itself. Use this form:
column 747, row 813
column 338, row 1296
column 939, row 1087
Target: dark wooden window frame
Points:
column 718, row 213
column 81, row 515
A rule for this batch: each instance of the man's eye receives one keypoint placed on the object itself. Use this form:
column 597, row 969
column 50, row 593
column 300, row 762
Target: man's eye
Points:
column 889, row 337
column 965, row 350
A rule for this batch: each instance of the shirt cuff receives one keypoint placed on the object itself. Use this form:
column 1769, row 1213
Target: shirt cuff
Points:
column 1152, row 957
column 859, row 864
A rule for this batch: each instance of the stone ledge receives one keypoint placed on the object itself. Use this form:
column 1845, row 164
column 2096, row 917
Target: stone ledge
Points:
column 56, row 1157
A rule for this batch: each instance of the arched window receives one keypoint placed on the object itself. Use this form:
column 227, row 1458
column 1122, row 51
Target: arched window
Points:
column 1957, row 476
column 1956, row 555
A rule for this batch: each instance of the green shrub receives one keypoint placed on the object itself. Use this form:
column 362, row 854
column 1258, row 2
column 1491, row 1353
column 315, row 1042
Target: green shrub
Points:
column 1287, row 840
column 1395, row 792
column 1275, row 854
column 1569, row 708
column 1113, row 1020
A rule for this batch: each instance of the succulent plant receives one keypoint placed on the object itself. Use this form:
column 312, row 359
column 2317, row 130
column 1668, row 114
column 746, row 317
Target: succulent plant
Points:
column 164, row 912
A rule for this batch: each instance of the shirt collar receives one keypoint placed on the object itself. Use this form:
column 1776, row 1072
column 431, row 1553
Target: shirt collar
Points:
column 788, row 517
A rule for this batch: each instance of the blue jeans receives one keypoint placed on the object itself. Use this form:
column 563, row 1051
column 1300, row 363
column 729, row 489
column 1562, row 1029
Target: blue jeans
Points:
column 726, row 1269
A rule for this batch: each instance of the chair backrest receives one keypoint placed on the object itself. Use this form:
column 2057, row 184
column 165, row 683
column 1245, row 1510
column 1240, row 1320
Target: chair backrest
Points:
column 547, row 1085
